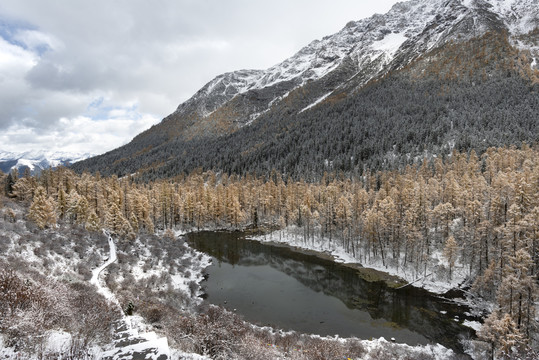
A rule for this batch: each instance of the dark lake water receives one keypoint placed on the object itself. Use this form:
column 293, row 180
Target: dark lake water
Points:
column 276, row 286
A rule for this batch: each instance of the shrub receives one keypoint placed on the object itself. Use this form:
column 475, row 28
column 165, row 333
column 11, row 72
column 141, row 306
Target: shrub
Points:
column 15, row 294
column 84, row 270
column 320, row 349
column 92, row 313
column 153, row 312
column 29, row 308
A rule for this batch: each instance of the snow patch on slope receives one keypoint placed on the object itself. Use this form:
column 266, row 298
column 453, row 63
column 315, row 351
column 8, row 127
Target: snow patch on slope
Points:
column 390, row 43
column 31, row 164
column 476, row 325
column 375, row 347
column 318, row 101
column 520, row 16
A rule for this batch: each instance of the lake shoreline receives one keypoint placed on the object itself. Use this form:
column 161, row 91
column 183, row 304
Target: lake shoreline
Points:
column 226, row 243
column 366, row 273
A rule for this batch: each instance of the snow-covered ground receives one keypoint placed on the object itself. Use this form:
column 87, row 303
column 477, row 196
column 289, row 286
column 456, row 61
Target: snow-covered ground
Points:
column 68, row 254
column 56, row 342
column 403, row 351
column 103, row 290
column 476, row 325
column 318, row 101
column 177, row 267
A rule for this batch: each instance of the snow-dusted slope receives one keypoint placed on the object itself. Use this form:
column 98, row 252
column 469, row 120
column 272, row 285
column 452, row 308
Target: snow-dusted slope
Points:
column 420, row 38
column 374, row 39
column 520, row 16
column 368, row 47
column 37, row 160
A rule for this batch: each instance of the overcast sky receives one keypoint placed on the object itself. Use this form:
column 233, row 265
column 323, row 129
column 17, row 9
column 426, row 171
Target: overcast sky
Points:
column 87, row 76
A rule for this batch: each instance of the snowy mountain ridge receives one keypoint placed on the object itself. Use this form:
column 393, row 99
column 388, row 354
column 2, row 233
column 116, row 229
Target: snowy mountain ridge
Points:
column 374, row 45
column 36, row 160
column 347, row 82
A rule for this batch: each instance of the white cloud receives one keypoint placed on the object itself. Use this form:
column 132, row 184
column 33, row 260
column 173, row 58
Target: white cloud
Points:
column 175, row 50
column 38, row 41
column 77, row 134
column 15, row 60
column 142, row 58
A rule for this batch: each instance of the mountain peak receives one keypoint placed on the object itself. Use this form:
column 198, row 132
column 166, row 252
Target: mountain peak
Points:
column 36, row 160
column 365, row 47
column 446, row 39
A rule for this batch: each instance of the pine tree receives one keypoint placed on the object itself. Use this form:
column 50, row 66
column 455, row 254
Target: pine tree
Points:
column 450, row 253
column 24, row 188
column 518, row 291
column 117, row 223
column 72, row 202
column 444, row 214
column 92, row 224
column 134, row 222
column 343, row 215
column 62, row 203
column 8, row 188
column 81, row 210
column 531, row 234
column 42, row 210
column 485, row 285
column 501, row 332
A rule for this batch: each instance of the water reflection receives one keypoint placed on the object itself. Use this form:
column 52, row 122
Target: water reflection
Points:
column 279, row 287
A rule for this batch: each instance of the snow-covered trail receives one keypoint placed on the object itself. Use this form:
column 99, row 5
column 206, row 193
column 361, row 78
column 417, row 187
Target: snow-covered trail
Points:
column 129, row 342
column 95, row 273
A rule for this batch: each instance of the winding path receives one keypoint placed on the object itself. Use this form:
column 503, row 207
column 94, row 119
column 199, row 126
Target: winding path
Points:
column 129, row 344
column 95, row 273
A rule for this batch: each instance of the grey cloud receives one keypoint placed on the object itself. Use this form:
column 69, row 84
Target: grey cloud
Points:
column 155, row 54
column 81, row 77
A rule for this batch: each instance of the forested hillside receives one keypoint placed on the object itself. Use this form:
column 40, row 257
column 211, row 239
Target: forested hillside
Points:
column 481, row 213
column 470, row 95
column 406, row 144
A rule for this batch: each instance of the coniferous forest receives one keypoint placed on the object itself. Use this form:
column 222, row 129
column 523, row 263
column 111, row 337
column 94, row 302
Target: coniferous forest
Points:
column 477, row 94
column 480, row 214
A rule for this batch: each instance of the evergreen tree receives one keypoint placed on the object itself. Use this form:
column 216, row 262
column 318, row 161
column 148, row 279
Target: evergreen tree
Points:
column 62, row 203
column 501, row 332
column 42, row 210
column 450, row 253
column 118, row 224
column 24, row 188
column 518, row 292
column 92, row 224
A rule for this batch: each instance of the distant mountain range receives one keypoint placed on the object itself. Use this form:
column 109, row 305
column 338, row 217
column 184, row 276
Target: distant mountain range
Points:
column 35, row 161
column 427, row 76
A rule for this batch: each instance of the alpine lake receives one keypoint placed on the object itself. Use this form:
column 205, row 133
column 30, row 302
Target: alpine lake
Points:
column 290, row 289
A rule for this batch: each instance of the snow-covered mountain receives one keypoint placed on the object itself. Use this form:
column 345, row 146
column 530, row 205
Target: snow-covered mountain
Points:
column 361, row 51
column 36, row 161
column 440, row 42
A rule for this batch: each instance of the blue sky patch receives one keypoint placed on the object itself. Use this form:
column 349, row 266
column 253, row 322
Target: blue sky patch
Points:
column 9, row 30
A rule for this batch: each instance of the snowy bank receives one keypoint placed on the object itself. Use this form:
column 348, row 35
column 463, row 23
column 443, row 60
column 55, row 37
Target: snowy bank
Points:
column 293, row 237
